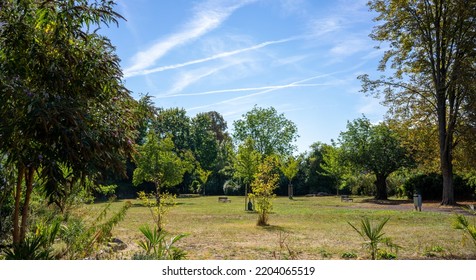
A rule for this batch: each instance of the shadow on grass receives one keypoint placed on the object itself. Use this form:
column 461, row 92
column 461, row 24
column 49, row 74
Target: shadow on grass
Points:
column 385, row 202
column 273, row 228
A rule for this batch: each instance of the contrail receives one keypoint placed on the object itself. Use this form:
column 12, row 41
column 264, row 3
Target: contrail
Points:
column 213, row 57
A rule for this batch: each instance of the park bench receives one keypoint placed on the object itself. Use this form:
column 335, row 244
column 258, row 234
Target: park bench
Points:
column 345, row 198
column 223, row 199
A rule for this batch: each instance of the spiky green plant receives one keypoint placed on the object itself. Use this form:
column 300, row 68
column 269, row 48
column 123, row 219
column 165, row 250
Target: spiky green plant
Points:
column 157, row 247
column 373, row 236
column 469, row 230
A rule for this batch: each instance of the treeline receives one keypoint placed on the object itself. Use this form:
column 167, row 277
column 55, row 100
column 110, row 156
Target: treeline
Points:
column 375, row 160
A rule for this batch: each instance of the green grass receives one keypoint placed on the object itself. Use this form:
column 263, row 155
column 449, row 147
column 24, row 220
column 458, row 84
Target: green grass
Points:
column 315, row 228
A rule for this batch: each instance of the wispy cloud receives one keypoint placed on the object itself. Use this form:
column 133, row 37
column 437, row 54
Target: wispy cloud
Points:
column 243, row 90
column 131, row 73
column 266, row 90
column 191, row 77
column 208, row 16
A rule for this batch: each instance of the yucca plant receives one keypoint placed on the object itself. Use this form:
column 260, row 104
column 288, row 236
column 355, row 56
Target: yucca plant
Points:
column 373, row 236
column 157, row 247
column 469, row 230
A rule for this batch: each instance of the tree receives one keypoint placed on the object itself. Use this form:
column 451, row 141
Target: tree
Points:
column 373, row 148
column 157, row 162
column 62, row 100
column 246, row 164
column 333, row 165
column 203, row 141
column 218, row 126
column 272, row 133
column 290, row 168
column 174, row 122
column 432, row 48
column 265, row 182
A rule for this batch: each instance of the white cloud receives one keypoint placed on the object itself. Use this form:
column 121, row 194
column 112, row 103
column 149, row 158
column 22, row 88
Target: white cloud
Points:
column 191, row 77
column 265, row 90
column 207, row 17
column 130, row 73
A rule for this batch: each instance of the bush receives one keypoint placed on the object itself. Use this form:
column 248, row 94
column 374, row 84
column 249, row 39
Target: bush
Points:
column 430, row 186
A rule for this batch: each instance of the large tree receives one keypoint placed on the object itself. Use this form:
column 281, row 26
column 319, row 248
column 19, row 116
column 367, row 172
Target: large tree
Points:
column 432, row 46
column 271, row 132
column 373, row 148
column 62, row 100
column 176, row 123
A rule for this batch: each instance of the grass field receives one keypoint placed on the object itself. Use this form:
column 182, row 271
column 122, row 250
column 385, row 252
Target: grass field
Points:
column 313, row 227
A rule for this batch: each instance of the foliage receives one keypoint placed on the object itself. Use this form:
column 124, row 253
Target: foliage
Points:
column 430, row 186
column 158, row 162
column 312, row 174
column 373, row 148
column 272, row 132
column 36, row 246
column 246, row 163
column 373, row 237
column 156, row 246
column 83, row 240
column 469, row 230
column 62, row 97
column 173, row 123
column 204, row 141
column 158, row 211
column 265, row 182
column 431, row 48
column 349, row 255
column 333, row 165
column 289, row 168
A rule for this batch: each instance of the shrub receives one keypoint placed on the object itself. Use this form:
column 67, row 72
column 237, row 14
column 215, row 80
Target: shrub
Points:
column 263, row 186
column 156, row 247
column 374, row 237
column 469, row 230
column 430, row 186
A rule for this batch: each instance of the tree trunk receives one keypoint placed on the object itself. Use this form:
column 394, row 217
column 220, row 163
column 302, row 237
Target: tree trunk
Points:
column 381, row 184
column 25, row 212
column 447, row 173
column 446, row 149
column 157, row 200
column 16, row 212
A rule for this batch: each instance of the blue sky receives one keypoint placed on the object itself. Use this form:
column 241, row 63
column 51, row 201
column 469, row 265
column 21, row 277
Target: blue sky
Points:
column 300, row 56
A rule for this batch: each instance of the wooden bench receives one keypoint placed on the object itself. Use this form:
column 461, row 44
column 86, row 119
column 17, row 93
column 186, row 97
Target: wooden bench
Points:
column 223, row 199
column 346, row 198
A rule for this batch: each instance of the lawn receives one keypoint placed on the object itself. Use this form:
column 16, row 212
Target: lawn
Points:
column 312, row 227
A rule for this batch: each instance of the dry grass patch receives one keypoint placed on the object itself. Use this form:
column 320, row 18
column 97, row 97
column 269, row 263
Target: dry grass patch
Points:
column 316, row 228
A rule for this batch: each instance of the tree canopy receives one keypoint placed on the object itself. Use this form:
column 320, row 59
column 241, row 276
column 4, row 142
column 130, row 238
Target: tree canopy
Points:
column 272, row 132
column 432, row 50
column 373, row 148
column 62, row 100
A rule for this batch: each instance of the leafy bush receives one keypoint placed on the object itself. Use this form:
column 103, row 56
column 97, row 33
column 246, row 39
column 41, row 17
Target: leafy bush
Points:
column 430, row 186
column 83, row 241
column 36, row 246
